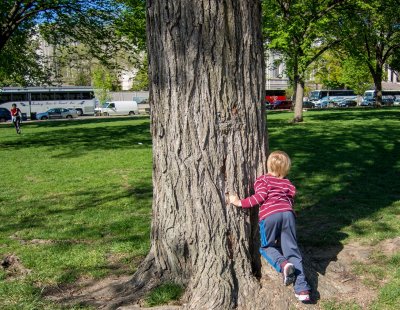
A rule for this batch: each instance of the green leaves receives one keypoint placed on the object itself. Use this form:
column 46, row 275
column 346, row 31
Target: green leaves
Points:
column 107, row 28
column 299, row 30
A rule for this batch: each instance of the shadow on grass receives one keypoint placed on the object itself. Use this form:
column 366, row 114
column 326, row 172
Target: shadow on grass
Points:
column 54, row 214
column 344, row 173
column 83, row 121
column 76, row 138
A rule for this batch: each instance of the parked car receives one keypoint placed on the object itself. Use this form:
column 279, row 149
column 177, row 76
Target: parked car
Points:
column 57, row 113
column 347, row 103
column 388, row 101
column 326, row 104
column 308, row 105
column 280, row 105
column 5, row 115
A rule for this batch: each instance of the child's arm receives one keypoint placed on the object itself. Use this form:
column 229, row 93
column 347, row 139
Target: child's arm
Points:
column 261, row 194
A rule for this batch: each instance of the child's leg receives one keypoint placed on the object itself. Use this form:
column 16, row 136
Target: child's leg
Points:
column 291, row 250
column 270, row 231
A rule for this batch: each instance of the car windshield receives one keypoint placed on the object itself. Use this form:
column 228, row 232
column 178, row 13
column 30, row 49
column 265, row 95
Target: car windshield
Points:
column 314, row 95
column 105, row 105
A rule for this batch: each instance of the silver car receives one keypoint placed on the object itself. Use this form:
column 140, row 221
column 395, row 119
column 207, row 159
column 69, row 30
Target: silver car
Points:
column 57, row 113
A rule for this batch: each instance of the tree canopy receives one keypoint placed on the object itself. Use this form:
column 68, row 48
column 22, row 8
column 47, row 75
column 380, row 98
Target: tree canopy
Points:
column 370, row 33
column 300, row 31
column 103, row 26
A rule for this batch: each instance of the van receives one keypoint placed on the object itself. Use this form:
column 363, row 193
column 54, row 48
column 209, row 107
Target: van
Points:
column 118, row 108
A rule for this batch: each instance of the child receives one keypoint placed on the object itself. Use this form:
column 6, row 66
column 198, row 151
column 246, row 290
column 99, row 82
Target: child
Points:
column 16, row 117
column 274, row 194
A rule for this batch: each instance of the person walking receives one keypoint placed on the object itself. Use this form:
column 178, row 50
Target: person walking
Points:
column 16, row 117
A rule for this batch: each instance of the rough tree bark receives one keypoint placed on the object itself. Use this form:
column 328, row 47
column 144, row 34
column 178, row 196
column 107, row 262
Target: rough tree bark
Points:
column 209, row 137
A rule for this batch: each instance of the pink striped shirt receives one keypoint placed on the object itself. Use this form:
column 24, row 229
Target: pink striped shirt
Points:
column 272, row 194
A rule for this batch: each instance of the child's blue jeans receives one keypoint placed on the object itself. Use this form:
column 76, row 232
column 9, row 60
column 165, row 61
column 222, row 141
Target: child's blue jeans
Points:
column 279, row 243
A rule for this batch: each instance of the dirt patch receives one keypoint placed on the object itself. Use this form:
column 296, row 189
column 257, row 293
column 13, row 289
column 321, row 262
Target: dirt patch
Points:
column 390, row 247
column 13, row 268
column 329, row 271
column 48, row 241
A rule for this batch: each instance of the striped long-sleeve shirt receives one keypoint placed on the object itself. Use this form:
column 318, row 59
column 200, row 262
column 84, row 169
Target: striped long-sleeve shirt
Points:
column 272, row 194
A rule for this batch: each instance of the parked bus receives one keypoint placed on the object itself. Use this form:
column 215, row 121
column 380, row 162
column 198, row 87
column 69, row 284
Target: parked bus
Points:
column 272, row 95
column 331, row 95
column 389, row 97
column 33, row 100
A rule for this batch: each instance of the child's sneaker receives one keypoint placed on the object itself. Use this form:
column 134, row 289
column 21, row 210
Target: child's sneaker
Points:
column 289, row 275
column 303, row 296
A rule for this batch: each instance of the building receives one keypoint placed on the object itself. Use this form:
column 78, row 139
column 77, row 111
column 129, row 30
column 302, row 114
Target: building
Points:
column 275, row 71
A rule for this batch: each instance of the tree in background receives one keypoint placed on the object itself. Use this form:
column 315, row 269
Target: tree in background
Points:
column 105, row 27
column 355, row 75
column 20, row 64
column 104, row 81
column 370, row 33
column 141, row 79
column 300, row 30
column 131, row 25
column 336, row 69
column 85, row 21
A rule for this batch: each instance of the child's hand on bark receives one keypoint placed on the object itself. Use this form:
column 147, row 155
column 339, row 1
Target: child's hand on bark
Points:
column 235, row 200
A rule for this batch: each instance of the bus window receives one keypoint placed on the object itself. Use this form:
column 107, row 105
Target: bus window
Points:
column 5, row 98
column 35, row 96
column 75, row 96
column 87, row 95
column 19, row 97
column 316, row 95
column 46, row 96
column 341, row 93
column 61, row 96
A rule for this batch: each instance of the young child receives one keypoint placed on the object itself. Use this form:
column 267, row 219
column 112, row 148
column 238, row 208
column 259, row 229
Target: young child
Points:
column 274, row 194
column 16, row 117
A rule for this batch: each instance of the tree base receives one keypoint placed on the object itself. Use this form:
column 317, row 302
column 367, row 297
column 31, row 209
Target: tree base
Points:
column 297, row 120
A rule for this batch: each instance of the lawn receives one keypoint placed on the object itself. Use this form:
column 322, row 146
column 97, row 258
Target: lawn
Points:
column 75, row 198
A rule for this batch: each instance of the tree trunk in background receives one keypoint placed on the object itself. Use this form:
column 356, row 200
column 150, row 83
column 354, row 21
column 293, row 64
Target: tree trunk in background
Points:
column 209, row 137
column 377, row 76
column 298, row 107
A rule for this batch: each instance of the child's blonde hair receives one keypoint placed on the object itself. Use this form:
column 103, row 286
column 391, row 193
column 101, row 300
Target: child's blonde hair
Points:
column 278, row 164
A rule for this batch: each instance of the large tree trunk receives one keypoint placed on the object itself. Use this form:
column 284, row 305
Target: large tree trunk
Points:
column 298, row 106
column 209, row 137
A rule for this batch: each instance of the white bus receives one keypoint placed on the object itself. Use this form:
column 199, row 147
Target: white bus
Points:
column 389, row 97
column 331, row 95
column 33, row 100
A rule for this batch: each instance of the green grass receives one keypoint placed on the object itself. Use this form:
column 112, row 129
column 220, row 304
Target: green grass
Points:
column 163, row 294
column 75, row 199
column 83, row 188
